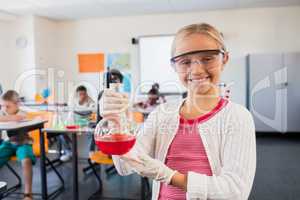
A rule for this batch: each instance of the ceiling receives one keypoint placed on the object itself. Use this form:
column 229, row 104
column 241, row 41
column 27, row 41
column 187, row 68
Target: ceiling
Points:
column 78, row 9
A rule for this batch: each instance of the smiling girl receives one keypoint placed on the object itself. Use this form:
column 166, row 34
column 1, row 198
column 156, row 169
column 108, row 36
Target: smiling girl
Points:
column 202, row 147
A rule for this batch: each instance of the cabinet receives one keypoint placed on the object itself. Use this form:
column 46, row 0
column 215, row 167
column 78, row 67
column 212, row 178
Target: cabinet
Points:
column 273, row 94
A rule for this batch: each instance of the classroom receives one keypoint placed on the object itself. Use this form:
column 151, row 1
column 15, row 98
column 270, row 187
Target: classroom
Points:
column 147, row 99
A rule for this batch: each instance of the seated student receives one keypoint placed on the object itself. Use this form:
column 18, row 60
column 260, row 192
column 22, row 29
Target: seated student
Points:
column 82, row 99
column 65, row 141
column 154, row 99
column 18, row 144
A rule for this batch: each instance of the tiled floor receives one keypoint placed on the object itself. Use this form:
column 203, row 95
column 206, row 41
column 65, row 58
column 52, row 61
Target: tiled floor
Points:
column 278, row 167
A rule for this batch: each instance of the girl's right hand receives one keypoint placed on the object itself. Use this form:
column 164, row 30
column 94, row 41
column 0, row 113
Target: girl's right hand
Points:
column 113, row 103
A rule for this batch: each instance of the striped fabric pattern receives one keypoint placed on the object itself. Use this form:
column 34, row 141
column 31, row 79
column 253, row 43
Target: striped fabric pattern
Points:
column 187, row 153
column 229, row 140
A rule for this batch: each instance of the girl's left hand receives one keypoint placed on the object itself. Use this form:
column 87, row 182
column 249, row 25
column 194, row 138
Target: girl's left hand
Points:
column 146, row 166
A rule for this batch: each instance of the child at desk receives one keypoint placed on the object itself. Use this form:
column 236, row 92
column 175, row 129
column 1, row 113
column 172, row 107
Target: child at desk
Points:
column 82, row 99
column 18, row 144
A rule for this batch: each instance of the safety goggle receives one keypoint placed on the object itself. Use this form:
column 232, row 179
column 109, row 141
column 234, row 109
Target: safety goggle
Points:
column 203, row 53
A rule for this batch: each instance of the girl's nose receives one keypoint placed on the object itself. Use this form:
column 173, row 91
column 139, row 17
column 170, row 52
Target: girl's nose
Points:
column 197, row 67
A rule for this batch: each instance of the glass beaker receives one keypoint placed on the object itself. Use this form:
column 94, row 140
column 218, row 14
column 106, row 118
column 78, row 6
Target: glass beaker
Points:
column 57, row 119
column 115, row 136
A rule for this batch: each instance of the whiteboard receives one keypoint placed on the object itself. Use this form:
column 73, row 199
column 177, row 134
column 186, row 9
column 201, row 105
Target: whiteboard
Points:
column 155, row 66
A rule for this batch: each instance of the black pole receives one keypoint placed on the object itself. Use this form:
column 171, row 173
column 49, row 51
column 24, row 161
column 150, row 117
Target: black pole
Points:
column 43, row 166
column 75, row 166
column 107, row 82
column 108, row 77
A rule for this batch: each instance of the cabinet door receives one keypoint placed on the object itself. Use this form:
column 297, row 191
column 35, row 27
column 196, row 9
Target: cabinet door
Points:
column 265, row 75
column 292, row 63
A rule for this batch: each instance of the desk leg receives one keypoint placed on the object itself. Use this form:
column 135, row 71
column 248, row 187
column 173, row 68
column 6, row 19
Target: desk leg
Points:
column 75, row 167
column 43, row 166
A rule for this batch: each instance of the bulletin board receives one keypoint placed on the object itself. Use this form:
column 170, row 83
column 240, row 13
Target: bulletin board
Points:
column 89, row 63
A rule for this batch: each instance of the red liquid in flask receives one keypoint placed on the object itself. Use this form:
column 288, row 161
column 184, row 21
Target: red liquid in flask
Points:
column 115, row 144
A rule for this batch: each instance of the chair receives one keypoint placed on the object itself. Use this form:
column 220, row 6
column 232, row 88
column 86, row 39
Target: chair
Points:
column 47, row 116
column 12, row 188
column 35, row 135
column 138, row 117
column 36, row 148
column 96, row 160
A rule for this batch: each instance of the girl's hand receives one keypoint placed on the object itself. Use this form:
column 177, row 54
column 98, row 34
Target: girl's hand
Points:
column 146, row 166
column 113, row 103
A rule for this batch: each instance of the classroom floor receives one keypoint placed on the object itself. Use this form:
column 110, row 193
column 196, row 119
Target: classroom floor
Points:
column 277, row 175
column 278, row 167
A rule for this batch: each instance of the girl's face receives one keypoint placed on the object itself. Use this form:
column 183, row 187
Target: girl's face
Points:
column 199, row 72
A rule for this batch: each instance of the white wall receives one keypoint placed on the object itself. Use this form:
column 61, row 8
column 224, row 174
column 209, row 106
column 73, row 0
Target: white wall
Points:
column 46, row 36
column 246, row 31
column 19, row 66
column 25, row 57
column 56, row 44
column 46, row 51
column 5, row 70
column 15, row 61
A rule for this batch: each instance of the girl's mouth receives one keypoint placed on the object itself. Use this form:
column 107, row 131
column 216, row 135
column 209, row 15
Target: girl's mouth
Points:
column 199, row 79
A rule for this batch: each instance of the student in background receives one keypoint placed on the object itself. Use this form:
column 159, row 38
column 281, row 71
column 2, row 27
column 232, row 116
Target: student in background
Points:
column 82, row 99
column 161, row 97
column 202, row 147
column 65, row 142
column 153, row 100
column 18, row 144
column 116, row 77
column 155, row 86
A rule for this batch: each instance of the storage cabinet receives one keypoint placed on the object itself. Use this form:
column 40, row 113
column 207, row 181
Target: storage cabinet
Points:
column 273, row 94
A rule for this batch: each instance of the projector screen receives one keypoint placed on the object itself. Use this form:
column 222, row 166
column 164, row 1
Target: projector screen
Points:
column 155, row 67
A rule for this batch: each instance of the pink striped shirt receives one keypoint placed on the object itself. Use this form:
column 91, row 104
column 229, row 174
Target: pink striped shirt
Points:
column 187, row 153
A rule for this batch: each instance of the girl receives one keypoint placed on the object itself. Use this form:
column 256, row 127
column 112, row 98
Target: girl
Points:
column 202, row 147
